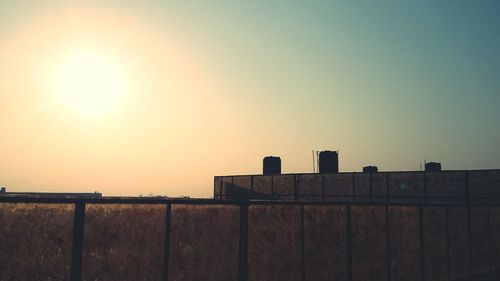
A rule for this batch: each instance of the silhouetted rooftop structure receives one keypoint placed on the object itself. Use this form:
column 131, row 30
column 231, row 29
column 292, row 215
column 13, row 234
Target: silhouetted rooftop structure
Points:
column 432, row 167
column 433, row 184
column 271, row 165
column 328, row 162
column 52, row 194
column 370, row 169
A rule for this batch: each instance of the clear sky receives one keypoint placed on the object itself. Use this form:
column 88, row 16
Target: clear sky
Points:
column 140, row 97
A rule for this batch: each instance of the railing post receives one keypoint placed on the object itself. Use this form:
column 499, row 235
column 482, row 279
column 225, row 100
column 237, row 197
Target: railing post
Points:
column 469, row 233
column 251, row 186
column 467, row 191
column 77, row 245
column 323, row 187
column 371, row 187
column 221, row 195
column 489, row 241
column 387, row 195
column 387, row 242
column 295, row 187
column 422, row 241
column 243, row 243
column 272, row 187
column 349, row 240
column 167, row 241
column 354, row 187
column 425, row 188
column 302, row 244
column 448, row 242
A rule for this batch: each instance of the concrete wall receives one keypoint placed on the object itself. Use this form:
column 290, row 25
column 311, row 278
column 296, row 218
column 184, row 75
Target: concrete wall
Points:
column 286, row 241
column 482, row 186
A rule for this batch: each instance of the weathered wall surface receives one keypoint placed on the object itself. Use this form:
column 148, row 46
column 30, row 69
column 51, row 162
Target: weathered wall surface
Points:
column 482, row 186
column 35, row 241
column 286, row 241
column 120, row 244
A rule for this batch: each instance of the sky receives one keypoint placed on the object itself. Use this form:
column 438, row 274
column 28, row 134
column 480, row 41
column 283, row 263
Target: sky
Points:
column 157, row 97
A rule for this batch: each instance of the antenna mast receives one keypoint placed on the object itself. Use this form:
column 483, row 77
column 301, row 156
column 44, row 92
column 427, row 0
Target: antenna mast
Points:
column 314, row 165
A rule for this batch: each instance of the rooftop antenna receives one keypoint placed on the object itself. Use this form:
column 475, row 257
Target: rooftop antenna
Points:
column 317, row 161
column 314, row 167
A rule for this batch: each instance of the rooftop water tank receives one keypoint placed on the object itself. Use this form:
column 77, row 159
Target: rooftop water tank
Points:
column 370, row 169
column 328, row 162
column 272, row 165
column 432, row 167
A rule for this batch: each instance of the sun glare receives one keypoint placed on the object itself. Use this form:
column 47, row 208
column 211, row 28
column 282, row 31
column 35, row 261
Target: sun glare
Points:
column 89, row 84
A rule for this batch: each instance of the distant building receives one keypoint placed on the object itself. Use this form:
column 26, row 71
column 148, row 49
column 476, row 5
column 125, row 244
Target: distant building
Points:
column 3, row 193
column 431, row 185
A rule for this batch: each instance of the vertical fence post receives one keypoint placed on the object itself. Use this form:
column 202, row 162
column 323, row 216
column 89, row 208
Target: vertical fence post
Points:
column 489, row 241
column 387, row 188
column 387, row 242
column 448, row 242
column 251, row 187
column 467, row 191
column 349, row 240
column 371, row 187
column 77, row 246
column 272, row 187
column 354, row 187
column 295, row 188
column 425, row 187
column 469, row 233
column 243, row 243
column 422, row 242
column 233, row 193
column 302, row 244
column 221, row 188
column 166, row 252
column 323, row 187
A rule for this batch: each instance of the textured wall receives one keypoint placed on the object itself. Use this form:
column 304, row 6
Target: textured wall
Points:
column 204, row 243
column 274, row 243
column 369, row 251
column 437, row 187
column 436, row 246
column 404, row 243
column 484, row 184
column 310, row 187
column 35, row 241
column 283, row 187
column 448, row 184
column 123, row 242
column 325, row 250
column 126, row 242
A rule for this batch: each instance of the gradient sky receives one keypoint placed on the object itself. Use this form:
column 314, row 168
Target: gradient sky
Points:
column 214, row 86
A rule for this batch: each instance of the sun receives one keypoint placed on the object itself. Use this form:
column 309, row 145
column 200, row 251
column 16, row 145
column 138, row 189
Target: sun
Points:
column 89, row 84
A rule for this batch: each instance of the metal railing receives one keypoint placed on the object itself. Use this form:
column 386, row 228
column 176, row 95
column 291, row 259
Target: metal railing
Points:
column 371, row 187
column 350, row 212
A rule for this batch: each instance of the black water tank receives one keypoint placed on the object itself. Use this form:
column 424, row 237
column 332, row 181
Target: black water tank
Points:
column 432, row 167
column 328, row 162
column 272, row 165
column 370, row 169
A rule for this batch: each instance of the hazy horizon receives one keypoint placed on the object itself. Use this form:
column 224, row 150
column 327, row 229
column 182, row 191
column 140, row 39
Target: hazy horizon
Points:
column 148, row 97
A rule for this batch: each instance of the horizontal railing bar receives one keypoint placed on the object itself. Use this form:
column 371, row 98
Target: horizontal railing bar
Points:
column 140, row 201
column 351, row 172
column 242, row 196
